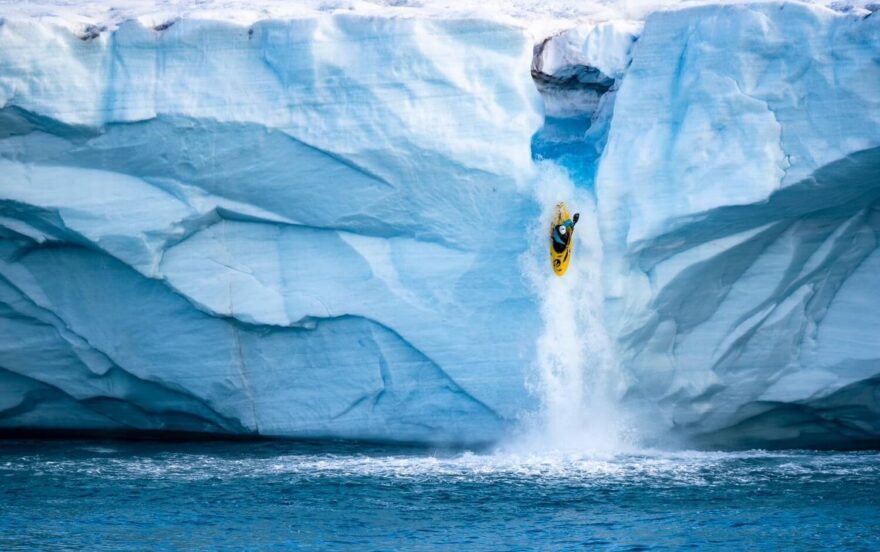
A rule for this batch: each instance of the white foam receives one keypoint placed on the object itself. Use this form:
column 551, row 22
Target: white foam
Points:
column 646, row 468
column 576, row 377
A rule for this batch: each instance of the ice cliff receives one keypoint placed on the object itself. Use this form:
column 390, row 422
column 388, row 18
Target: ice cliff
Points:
column 327, row 224
column 739, row 197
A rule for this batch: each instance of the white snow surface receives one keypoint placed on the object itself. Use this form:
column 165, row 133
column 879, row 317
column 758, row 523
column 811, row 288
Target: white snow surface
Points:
column 541, row 17
column 326, row 219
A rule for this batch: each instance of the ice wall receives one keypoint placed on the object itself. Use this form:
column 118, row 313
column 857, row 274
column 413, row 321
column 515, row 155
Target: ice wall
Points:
column 331, row 225
column 739, row 205
column 295, row 228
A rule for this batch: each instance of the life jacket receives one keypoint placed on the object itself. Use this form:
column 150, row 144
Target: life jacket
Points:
column 562, row 235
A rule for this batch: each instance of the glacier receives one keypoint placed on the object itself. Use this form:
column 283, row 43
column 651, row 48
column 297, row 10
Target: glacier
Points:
column 739, row 199
column 330, row 224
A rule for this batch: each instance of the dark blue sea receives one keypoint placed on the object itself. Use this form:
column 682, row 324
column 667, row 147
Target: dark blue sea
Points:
column 110, row 495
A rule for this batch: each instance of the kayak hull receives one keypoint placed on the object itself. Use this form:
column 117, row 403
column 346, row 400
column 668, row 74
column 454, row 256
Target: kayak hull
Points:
column 559, row 261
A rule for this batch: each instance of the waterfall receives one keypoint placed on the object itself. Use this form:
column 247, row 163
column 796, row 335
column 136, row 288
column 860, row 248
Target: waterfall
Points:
column 575, row 376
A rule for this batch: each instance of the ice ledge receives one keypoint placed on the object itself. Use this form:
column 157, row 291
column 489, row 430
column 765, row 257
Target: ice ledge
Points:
column 606, row 48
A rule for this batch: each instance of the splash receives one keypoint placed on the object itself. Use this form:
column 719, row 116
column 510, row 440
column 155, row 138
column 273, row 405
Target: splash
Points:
column 576, row 377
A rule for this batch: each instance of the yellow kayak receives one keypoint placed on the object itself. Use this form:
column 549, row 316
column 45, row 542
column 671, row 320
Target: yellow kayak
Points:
column 560, row 255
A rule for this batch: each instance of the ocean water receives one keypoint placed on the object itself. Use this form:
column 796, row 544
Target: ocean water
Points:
column 111, row 495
